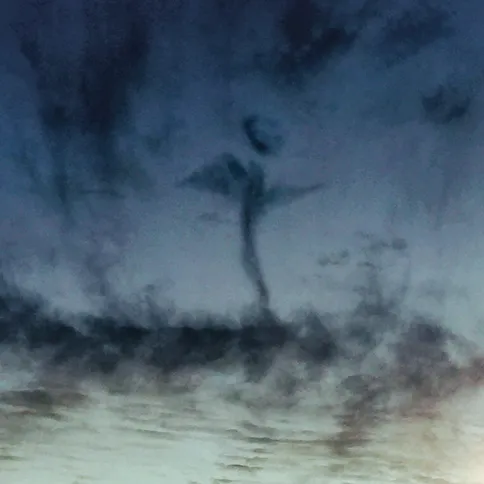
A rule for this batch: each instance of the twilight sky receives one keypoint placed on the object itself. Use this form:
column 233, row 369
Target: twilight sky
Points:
column 380, row 100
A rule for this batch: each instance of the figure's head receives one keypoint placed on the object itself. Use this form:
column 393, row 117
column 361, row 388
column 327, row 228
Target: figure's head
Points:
column 264, row 135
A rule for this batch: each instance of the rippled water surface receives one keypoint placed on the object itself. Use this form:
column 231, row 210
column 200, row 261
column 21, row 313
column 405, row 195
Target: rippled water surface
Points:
column 106, row 437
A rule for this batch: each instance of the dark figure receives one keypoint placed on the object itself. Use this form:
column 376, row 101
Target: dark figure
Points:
column 251, row 209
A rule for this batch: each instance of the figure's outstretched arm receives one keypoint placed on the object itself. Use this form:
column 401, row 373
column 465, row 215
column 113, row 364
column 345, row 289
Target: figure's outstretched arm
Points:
column 280, row 195
column 226, row 176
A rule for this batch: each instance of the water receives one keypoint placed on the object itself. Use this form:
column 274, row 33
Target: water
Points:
column 94, row 433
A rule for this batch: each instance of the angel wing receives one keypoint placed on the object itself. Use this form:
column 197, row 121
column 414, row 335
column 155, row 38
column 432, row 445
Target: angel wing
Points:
column 226, row 176
column 280, row 195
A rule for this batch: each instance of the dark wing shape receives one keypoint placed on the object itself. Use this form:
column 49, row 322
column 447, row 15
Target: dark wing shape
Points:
column 234, row 167
column 225, row 176
column 286, row 194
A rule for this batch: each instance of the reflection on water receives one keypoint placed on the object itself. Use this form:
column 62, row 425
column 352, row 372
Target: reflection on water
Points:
column 64, row 436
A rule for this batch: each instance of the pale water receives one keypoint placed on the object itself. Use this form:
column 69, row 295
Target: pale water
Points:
column 218, row 431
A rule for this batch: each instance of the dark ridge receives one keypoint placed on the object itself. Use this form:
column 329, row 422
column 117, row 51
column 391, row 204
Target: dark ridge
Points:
column 420, row 352
column 102, row 343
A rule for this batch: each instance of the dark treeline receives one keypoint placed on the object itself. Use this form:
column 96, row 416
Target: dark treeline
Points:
column 99, row 344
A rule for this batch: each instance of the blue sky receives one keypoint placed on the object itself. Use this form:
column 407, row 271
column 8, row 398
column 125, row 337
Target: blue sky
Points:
column 356, row 123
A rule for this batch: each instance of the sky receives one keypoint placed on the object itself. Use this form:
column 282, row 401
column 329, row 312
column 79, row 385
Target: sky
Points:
column 380, row 101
